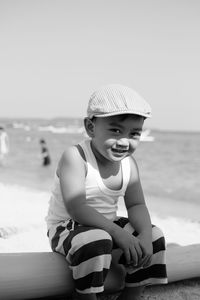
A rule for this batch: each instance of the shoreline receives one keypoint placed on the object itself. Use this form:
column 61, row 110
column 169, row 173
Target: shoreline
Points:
column 37, row 180
column 169, row 207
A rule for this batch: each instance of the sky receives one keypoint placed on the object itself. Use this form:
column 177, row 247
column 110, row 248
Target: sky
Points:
column 55, row 53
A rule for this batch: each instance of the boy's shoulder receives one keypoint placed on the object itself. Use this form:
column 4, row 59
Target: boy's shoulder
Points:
column 71, row 152
column 134, row 172
column 72, row 158
column 132, row 161
column 74, row 151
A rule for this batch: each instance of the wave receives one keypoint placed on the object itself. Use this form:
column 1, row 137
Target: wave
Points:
column 70, row 129
column 20, row 125
column 61, row 130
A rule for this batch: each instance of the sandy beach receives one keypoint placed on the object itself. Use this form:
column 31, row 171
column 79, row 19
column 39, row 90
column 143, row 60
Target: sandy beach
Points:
column 182, row 290
column 22, row 222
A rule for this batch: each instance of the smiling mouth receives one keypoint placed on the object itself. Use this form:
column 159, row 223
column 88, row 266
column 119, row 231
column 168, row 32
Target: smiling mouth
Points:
column 120, row 151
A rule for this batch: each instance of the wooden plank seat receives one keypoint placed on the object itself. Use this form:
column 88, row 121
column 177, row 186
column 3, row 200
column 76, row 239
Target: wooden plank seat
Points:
column 46, row 274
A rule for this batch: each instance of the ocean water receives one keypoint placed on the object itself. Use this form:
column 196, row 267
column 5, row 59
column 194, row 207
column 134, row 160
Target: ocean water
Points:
column 169, row 166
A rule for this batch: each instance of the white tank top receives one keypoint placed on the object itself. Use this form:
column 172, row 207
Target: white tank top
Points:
column 98, row 196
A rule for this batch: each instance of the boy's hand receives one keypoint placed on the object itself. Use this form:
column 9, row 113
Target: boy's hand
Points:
column 147, row 250
column 130, row 245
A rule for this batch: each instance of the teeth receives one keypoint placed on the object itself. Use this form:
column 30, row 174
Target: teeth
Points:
column 119, row 150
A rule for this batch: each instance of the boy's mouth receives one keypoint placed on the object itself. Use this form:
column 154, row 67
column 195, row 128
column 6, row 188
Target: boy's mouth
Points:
column 120, row 151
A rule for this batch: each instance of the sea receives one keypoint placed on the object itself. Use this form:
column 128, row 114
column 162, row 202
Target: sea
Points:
column 169, row 164
column 168, row 161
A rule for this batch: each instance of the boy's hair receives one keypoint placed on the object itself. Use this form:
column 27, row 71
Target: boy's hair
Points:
column 115, row 99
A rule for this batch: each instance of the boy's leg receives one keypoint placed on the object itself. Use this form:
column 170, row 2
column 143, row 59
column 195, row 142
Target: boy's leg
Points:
column 156, row 272
column 137, row 279
column 88, row 251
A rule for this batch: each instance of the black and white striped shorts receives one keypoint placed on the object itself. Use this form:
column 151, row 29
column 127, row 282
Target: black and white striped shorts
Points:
column 88, row 251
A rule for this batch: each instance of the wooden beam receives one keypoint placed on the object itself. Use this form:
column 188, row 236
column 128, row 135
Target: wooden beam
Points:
column 183, row 262
column 37, row 275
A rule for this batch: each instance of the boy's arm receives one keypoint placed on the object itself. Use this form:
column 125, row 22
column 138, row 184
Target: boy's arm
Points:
column 72, row 172
column 137, row 210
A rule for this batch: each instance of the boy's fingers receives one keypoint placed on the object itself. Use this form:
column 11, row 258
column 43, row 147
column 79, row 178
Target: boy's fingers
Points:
column 127, row 256
column 134, row 257
column 146, row 261
column 139, row 252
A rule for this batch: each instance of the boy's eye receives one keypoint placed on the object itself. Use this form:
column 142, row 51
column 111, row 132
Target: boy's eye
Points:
column 115, row 130
column 136, row 134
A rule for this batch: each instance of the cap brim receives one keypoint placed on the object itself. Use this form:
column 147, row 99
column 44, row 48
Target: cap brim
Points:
column 104, row 115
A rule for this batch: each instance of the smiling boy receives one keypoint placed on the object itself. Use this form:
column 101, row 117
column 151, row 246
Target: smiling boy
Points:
column 90, row 178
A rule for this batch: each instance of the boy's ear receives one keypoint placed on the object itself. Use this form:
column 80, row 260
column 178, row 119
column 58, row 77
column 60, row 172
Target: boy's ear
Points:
column 89, row 127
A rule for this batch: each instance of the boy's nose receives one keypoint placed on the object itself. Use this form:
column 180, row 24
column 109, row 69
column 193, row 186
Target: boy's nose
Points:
column 123, row 143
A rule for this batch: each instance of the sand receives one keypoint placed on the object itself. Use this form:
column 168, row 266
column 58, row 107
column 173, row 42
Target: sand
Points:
column 182, row 290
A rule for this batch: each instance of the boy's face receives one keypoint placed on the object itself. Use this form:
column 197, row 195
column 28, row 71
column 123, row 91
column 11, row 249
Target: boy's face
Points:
column 114, row 138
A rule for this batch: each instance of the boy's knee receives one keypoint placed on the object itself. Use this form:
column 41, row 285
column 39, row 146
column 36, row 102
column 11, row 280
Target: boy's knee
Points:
column 158, row 238
column 103, row 241
column 104, row 235
column 96, row 241
column 157, row 232
column 96, row 244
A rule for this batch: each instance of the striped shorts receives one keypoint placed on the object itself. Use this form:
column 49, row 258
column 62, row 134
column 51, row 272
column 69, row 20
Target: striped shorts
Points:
column 88, row 251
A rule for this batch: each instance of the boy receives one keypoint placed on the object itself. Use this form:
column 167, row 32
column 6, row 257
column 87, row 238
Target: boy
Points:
column 91, row 177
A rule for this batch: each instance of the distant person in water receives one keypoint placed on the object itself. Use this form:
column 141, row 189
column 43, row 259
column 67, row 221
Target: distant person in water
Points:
column 46, row 160
column 4, row 145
